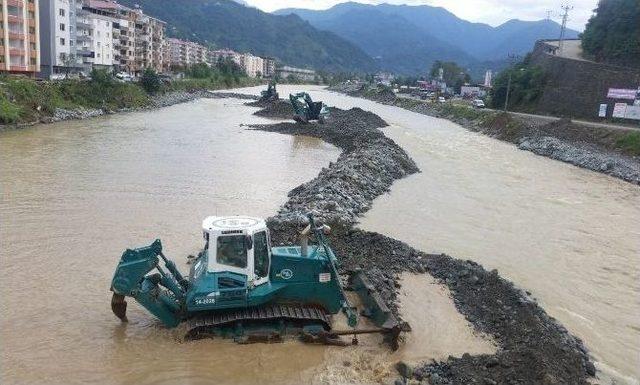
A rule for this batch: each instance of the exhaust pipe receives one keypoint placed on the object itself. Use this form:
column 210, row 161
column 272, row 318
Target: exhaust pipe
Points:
column 304, row 241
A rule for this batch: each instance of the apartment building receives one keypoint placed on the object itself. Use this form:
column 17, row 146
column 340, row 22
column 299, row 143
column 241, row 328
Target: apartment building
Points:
column 268, row 67
column 219, row 54
column 149, row 43
column 58, row 56
column 102, row 43
column 182, row 53
column 98, row 34
column 252, row 65
column 20, row 37
column 300, row 73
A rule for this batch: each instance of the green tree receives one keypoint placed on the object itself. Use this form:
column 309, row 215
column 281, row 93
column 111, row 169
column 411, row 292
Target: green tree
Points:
column 613, row 33
column 527, row 85
column 454, row 75
column 150, row 81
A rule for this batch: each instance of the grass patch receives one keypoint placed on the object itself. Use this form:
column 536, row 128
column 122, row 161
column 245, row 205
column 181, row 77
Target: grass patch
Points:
column 630, row 143
column 9, row 112
column 26, row 100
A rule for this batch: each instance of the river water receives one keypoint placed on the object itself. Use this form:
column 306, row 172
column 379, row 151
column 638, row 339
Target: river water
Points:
column 76, row 194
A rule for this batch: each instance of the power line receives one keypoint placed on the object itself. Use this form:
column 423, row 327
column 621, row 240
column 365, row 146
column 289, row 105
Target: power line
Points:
column 565, row 17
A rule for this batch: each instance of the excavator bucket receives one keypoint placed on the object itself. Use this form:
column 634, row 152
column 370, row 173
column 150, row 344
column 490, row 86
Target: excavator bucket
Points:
column 119, row 306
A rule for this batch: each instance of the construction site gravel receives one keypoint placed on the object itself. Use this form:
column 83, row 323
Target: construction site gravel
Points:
column 533, row 348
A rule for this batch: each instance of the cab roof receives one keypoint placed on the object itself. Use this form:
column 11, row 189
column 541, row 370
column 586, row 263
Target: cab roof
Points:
column 222, row 225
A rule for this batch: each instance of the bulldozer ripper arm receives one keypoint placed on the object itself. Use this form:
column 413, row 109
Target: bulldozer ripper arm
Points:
column 161, row 293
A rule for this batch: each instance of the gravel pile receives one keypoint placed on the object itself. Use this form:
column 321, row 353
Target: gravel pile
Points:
column 280, row 109
column 532, row 347
column 367, row 167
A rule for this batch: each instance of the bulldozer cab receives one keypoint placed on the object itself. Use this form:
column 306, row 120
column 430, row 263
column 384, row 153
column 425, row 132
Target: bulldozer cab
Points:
column 238, row 245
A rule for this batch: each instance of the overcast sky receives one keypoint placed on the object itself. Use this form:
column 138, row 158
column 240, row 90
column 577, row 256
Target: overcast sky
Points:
column 493, row 12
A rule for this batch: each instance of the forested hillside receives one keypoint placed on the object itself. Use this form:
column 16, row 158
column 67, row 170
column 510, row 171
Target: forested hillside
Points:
column 612, row 35
column 227, row 24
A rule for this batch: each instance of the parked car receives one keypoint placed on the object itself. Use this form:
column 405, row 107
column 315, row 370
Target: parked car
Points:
column 441, row 99
column 124, row 77
column 478, row 103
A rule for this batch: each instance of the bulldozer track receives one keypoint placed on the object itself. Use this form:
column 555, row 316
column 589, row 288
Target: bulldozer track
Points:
column 204, row 326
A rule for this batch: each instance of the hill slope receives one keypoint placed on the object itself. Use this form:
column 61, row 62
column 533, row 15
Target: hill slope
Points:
column 396, row 45
column 437, row 25
column 225, row 23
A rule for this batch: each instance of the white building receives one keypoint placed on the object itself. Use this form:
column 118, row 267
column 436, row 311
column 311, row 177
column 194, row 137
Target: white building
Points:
column 299, row 73
column 252, row 65
column 488, row 78
column 102, row 41
column 58, row 49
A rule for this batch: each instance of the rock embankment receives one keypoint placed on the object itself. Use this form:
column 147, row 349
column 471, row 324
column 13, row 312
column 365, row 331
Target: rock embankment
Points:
column 533, row 347
column 367, row 167
column 587, row 147
column 156, row 101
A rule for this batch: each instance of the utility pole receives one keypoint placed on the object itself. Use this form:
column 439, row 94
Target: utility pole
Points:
column 549, row 15
column 512, row 60
column 565, row 17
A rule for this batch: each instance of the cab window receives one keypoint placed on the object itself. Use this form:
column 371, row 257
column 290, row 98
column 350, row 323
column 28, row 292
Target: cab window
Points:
column 261, row 254
column 231, row 251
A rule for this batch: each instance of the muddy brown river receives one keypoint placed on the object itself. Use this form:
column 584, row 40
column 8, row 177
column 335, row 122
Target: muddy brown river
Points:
column 76, row 194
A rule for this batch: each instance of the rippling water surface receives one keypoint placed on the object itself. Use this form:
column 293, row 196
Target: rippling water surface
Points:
column 76, row 194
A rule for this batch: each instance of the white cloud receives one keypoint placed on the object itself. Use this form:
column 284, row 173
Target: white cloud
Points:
column 493, row 12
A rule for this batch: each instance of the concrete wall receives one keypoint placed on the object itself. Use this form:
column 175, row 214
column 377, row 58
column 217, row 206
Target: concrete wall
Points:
column 576, row 88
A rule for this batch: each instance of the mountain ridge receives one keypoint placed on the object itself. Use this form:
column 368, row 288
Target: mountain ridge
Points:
column 482, row 42
column 228, row 24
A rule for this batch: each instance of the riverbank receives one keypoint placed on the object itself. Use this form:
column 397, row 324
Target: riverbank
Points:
column 533, row 347
column 613, row 152
column 25, row 102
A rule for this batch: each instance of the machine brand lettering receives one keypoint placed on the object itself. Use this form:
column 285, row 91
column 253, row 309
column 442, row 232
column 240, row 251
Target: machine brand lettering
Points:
column 286, row 273
column 324, row 277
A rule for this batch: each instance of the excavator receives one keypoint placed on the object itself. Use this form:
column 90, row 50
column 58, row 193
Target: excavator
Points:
column 270, row 94
column 241, row 287
column 306, row 109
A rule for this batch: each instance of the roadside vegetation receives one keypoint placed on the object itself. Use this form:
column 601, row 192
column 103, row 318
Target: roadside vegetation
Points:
column 612, row 35
column 630, row 143
column 527, row 86
column 24, row 100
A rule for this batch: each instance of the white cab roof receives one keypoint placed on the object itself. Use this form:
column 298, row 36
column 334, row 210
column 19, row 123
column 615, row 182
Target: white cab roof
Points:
column 216, row 225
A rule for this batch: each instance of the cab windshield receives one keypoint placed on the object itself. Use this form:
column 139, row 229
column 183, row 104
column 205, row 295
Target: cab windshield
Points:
column 231, row 251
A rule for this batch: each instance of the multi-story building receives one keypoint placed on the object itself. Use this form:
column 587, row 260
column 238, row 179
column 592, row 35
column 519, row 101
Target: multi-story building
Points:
column 149, row 42
column 217, row 55
column 300, row 73
column 252, row 65
column 58, row 55
column 124, row 33
column 83, row 38
column 100, row 34
column 268, row 67
column 182, row 53
column 102, row 41
column 20, row 40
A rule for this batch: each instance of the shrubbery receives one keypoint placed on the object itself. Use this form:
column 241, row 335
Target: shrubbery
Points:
column 527, row 85
column 27, row 100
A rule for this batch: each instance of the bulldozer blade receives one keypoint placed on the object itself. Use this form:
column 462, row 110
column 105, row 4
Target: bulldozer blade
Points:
column 119, row 306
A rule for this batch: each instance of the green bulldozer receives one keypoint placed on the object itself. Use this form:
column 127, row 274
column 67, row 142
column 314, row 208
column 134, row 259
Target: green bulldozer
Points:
column 306, row 109
column 241, row 287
